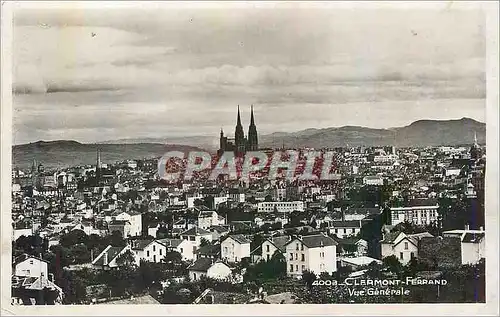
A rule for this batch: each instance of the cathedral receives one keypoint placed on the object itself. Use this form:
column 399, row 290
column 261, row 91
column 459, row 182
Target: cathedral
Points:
column 239, row 144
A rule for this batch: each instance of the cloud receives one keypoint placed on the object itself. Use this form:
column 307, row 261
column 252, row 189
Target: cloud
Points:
column 190, row 68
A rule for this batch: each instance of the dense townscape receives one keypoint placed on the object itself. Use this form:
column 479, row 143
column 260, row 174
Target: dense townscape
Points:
column 401, row 225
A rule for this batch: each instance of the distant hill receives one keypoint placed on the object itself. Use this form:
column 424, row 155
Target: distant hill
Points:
column 419, row 133
column 70, row 153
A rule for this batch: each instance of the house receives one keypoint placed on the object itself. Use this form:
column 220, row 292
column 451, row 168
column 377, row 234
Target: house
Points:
column 316, row 253
column 209, row 268
column 234, row 248
column 122, row 226
column 358, row 262
column 273, row 244
column 403, row 246
column 148, row 250
column 195, row 235
column 218, row 232
column 107, row 258
column 153, row 229
column 135, row 219
column 472, row 244
column 30, row 266
column 352, row 246
column 373, row 180
column 183, row 247
column 87, row 227
column 237, row 195
column 207, row 219
column 346, row 228
column 40, row 290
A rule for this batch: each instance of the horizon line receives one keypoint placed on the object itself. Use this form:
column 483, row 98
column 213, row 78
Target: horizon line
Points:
column 200, row 135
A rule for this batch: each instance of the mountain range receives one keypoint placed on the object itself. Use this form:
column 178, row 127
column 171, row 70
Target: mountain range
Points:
column 419, row 134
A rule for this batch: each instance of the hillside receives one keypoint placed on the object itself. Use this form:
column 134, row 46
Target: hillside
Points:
column 70, row 153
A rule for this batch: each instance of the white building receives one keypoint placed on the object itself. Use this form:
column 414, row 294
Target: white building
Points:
column 315, row 253
column 373, row 180
column 404, row 247
column 385, row 158
column 236, row 195
column 30, row 266
column 208, row 218
column 273, row 244
column 208, row 267
column 418, row 212
column 472, row 244
column 183, row 247
column 148, row 250
column 194, row 236
column 280, row 206
column 234, row 248
column 135, row 219
column 346, row 228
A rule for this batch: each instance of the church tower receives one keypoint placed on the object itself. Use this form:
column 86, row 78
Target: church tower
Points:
column 239, row 135
column 98, row 168
column 253, row 143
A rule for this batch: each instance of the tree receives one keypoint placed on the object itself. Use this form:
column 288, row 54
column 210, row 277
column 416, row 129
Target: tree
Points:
column 393, row 264
column 73, row 237
column 126, row 259
column 204, row 242
column 308, row 277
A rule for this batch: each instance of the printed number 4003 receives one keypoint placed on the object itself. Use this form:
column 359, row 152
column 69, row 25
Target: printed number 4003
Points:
column 324, row 283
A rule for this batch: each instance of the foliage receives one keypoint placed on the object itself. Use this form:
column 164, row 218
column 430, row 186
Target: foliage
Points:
column 308, row 277
column 274, row 268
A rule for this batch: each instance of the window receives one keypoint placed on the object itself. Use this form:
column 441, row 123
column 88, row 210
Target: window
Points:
column 291, row 267
column 291, row 256
column 267, row 248
column 154, row 258
column 296, row 268
column 303, row 257
column 303, row 267
column 301, row 247
column 406, row 245
column 336, row 230
column 147, row 253
column 400, row 255
column 31, row 261
column 412, row 255
column 296, row 256
column 194, row 276
column 154, row 248
column 268, row 257
column 225, row 249
column 297, row 247
column 192, row 239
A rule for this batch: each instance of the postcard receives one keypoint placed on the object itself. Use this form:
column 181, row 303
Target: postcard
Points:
column 249, row 158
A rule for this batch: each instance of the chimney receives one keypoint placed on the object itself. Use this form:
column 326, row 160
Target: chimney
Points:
column 321, row 243
column 106, row 257
column 467, row 226
column 91, row 255
column 481, row 228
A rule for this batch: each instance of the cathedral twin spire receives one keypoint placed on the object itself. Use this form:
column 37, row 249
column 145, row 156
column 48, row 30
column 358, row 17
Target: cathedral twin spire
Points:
column 241, row 144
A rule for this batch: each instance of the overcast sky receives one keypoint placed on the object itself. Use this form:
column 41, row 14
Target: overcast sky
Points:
column 100, row 74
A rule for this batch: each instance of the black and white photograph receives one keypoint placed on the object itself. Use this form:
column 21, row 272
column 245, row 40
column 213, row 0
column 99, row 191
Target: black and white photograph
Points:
column 249, row 153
